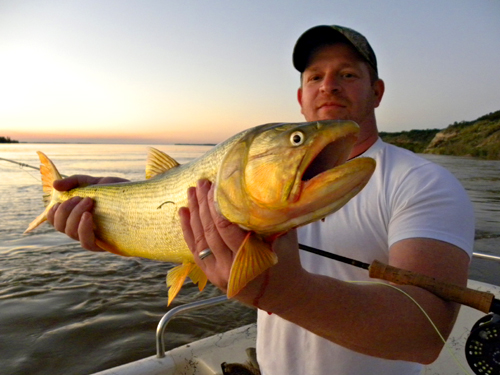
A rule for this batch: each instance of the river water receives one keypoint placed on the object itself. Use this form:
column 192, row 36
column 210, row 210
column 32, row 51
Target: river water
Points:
column 65, row 310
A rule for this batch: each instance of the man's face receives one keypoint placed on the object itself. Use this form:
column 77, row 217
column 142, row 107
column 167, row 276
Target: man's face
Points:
column 336, row 85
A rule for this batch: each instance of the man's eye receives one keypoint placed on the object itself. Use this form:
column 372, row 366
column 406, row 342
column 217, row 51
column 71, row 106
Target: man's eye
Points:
column 349, row 75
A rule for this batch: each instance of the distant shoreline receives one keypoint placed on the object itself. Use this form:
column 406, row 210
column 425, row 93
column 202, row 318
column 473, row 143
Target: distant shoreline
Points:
column 195, row 144
column 7, row 140
column 105, row 143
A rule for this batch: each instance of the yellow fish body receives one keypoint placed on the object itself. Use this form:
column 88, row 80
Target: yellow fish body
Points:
column 268, row 179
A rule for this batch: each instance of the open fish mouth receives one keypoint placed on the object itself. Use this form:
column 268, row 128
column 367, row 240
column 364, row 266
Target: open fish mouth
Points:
column 328, row 181
column 271, row 190
column 330, row 156
column 325, row 156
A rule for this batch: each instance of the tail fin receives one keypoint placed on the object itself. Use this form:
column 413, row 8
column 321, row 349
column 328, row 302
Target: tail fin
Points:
column 49, row 174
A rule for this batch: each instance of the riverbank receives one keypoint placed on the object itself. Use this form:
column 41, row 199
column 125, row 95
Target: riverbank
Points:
column 478, row 138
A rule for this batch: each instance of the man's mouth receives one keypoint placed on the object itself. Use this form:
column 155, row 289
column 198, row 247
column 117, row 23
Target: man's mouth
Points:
column 331, row 105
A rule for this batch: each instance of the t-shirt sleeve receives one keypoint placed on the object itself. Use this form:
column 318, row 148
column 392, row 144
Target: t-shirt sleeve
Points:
column 429, row 202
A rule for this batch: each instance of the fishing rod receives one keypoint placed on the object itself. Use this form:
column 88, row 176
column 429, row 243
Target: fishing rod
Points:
column 482, row 348
column 483, row 301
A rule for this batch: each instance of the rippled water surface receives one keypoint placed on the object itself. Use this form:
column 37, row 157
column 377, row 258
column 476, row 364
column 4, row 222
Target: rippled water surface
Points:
column 65, row 310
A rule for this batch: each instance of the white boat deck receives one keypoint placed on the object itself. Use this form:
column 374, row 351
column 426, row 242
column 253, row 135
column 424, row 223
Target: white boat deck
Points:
column 204, row 357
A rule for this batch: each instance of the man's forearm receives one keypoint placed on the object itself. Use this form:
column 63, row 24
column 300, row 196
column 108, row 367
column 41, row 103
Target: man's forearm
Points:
column 375, row 320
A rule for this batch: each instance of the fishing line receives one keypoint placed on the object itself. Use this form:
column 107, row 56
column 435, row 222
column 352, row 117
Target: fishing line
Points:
column 24, row 165
column 19, row 163
column 446, row 345
column 482, row 348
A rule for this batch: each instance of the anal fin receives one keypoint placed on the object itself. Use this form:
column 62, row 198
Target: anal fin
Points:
column 198, row 277
column 175, row 279
column 253, row 258
column 177, row 275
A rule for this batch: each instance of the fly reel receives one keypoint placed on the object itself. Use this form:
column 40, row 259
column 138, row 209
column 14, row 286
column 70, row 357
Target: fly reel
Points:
column 482, row 348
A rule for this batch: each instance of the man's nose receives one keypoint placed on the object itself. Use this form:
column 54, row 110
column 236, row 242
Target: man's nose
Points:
column 330, row 84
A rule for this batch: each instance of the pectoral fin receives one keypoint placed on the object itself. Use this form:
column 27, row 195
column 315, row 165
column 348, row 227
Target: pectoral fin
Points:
column 254, row 257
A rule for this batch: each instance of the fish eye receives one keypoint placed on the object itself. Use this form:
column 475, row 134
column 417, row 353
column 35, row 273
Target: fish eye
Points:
column 297, row 138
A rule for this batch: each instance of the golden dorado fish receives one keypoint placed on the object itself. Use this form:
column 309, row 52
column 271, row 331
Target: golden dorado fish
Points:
column 268, row 179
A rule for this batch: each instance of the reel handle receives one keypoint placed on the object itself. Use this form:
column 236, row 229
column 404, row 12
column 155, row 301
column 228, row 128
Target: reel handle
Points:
column 473, row 298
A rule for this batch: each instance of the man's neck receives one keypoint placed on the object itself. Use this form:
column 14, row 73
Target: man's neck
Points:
column 363, row 145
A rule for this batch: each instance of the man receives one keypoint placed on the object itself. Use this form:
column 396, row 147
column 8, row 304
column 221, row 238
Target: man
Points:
column 412, row 214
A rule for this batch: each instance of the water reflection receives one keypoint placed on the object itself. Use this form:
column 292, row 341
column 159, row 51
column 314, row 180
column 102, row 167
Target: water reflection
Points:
column 67, row 310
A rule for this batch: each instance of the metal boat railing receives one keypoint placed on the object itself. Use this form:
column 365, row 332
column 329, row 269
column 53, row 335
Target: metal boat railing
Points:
column 486, row 256
column 160, row 330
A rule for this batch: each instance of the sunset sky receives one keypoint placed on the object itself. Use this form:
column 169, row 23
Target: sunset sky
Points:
column 202, row 70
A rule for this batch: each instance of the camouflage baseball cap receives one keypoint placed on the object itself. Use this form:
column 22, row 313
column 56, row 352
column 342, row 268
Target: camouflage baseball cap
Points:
column 326, row 34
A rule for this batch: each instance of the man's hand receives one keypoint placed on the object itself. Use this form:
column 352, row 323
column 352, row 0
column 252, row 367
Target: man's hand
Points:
column 73, row 217
column 203, row 227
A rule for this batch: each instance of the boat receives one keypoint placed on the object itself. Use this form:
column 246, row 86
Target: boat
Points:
column 473, row 347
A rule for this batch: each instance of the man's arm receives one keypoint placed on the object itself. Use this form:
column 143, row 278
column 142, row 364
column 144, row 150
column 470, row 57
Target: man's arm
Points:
column 73, row 216
column 372, row 319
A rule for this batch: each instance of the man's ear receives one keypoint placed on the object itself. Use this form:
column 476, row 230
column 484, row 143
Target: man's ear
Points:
column 378, row 90
column 299, row 98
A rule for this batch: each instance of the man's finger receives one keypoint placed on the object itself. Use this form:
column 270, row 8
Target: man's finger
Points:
column 185, row 220
column 86, row 232
column 74, row 181
column 198, row 234
column 73, row 221
column 230, row 233
column 212, row 236
column 63, row 212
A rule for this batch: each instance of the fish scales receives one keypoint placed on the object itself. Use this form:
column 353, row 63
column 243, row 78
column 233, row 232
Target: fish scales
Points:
column 268, row 180
column 133, row 216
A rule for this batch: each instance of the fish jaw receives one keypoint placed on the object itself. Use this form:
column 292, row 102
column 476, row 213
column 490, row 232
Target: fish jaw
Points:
column 312, row 180
column 322, row 195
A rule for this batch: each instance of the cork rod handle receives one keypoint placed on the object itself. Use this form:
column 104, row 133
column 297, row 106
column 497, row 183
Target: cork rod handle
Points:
column 473, row 298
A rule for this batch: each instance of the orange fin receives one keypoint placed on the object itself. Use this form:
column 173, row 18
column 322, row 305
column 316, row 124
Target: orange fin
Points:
column 175, row 279
column 158, row 163
column 198, row 277
column 177, row 275
column 39, row 220
column 253, row 257
column 49, row 173
column 110, row 248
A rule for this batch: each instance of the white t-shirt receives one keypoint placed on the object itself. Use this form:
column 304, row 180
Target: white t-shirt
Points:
column 406, row 197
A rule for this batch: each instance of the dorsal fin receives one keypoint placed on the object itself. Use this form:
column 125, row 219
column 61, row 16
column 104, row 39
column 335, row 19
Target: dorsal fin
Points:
column 158, row 162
